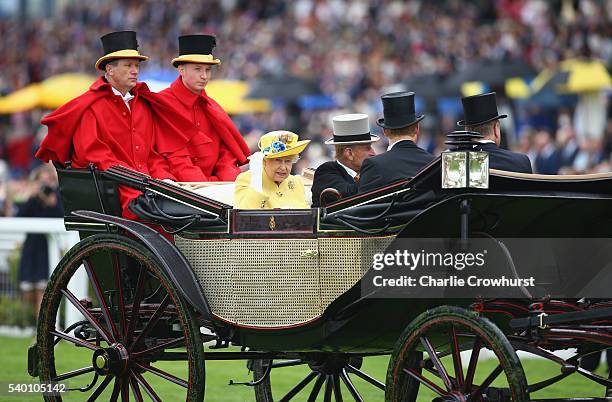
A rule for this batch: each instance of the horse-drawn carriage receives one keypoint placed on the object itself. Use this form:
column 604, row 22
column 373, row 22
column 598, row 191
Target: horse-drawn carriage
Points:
column 284, row 286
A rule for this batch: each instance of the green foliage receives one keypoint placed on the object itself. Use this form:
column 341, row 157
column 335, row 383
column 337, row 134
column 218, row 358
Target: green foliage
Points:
column 14, row 312
column 13, row 263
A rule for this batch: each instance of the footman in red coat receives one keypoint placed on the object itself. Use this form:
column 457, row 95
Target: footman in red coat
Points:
column 217, row 148
column 118, row 121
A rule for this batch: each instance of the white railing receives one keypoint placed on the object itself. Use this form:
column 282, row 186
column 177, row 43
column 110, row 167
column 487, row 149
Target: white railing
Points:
column 58, row 239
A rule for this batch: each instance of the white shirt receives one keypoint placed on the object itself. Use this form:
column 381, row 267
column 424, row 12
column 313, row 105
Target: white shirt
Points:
column 392, row 145
column 348, row 170
column 126, row 98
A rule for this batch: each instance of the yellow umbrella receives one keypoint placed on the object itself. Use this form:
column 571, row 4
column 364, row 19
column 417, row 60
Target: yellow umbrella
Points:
column 517, row 88
column 230, row 95
column 575, row 76
column 23, row 99
column 585, row 76
column 59, row 89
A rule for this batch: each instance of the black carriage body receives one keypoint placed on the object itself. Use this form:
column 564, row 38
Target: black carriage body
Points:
column 515, row 205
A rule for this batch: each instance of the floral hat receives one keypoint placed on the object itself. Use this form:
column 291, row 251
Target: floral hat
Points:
column 281, row 143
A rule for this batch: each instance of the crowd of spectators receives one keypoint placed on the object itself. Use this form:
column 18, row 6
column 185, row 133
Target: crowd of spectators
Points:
column 355, row 50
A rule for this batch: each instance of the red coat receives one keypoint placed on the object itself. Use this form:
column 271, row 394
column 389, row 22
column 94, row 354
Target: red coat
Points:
column 216, row 150
column 97, row 127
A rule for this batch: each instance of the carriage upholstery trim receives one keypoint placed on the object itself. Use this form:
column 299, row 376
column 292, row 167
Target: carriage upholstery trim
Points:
column 272, row 283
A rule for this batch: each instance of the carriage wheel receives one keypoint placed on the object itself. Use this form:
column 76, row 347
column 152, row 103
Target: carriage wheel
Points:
column 136, row 334
column 440, row 335
column 329, row 373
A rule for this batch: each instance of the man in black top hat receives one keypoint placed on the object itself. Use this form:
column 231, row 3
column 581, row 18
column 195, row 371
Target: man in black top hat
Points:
column 481, row 116
column 352, row 143
column 217, row 149
column 403, row 157
column 118, row 121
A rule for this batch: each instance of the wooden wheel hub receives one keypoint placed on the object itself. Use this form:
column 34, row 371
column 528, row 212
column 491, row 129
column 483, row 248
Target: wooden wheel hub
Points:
column 112, row 360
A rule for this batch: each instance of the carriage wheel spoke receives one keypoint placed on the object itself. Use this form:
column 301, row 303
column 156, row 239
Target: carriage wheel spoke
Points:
column 288, row 363
column 147, row 387
column 366, row 377
column 426, row 382
column 95, row 284
column 100, row 388
column 92, row 320
column 336, row 386
column 73, row 373
column 350, row 386
column 164, row 375
column 469, row 377
column 135, row 307
column 316, row 388
column 488, row 381
column 76, row 341
column 116, row 389
column 437, row 362
column 119, row 285
column 458, row 365
column 165, row 345
column 328, row 389
column 125, row 391
column 135, row 389
column 294, row 391
column 152, row 321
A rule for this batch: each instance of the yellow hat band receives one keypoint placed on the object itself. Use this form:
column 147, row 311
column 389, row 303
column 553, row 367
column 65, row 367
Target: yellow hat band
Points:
column 121, row 54
column 195, row 58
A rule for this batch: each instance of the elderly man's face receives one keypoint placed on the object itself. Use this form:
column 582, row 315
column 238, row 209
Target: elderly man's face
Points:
column 356, row 154
column 123, row 74
column 195, row 76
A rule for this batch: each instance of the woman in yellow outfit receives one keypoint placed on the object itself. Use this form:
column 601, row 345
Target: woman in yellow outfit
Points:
column 269, row 183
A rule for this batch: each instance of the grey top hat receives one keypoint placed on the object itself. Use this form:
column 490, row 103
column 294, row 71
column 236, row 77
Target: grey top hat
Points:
column 352, row 128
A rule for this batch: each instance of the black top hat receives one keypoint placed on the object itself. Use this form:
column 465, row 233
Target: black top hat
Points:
column 119, row 45
column 196, row 49
column 480, row 109
column 398, row 110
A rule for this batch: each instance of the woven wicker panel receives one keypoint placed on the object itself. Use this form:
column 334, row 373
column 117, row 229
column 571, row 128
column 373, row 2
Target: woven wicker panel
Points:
column 275, row 284
column 266, row 283
column 344, row 261
column 210, row 262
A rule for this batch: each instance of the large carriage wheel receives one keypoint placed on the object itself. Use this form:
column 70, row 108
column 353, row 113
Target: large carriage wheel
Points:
column 329, row 373
column 137, row 335
column 427, row 357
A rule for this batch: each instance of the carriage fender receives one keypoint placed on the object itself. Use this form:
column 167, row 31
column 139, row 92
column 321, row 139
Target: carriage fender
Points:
column 171, row 259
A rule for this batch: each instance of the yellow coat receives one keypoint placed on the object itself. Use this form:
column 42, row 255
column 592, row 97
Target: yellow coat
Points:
column 290, row 194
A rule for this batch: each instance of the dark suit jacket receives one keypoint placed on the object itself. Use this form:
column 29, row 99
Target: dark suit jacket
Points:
column 331, row 174
column 503, row 159
column 402, row 161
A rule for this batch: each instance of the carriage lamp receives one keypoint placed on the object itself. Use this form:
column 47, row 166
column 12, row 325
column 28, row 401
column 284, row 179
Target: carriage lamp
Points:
column 461, row 169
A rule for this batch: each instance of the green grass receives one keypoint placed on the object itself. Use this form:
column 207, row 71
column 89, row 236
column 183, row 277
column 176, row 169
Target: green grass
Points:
column 13, row 356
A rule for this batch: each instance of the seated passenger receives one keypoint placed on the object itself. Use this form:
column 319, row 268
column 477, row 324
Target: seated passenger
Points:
column 269, row 183
column 482, row 117
column 403, row 157
column 118, row 121
column 353, row 144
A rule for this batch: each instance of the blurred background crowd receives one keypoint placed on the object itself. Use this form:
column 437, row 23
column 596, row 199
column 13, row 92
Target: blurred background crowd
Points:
column 339, row 56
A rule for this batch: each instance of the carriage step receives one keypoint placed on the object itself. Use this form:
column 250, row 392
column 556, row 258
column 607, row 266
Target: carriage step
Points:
column 543, row 320
column 33, row 360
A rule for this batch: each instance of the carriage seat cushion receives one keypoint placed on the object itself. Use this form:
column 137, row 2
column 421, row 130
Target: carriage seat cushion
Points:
column 224, row 191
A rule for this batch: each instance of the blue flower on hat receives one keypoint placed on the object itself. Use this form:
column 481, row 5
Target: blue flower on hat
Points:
column 274, row 148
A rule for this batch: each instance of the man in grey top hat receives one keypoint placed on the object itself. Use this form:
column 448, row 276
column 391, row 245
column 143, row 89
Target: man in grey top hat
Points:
column 403, row 157
column 353, row 144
